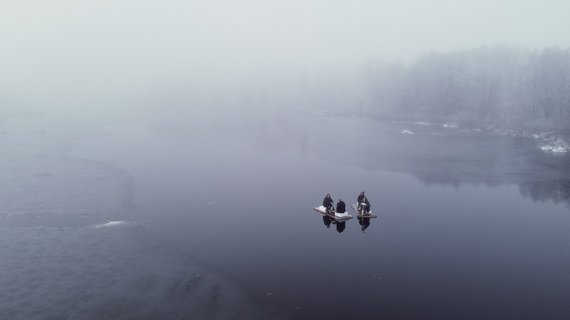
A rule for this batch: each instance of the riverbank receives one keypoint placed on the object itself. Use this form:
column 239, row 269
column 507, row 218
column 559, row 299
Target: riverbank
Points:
column 547, row 141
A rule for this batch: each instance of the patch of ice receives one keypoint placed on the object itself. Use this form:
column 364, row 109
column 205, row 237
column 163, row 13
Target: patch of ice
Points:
column 422, row 123
column 553, row 148
column 415, row 123
column 112, row 224
column 549, row 142
column 406, row 132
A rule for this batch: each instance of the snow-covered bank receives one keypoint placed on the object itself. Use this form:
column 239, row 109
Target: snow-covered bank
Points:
column 552, row 143
column 546, row 141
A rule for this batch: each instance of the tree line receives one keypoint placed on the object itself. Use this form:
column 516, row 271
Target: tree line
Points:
column 512, row 88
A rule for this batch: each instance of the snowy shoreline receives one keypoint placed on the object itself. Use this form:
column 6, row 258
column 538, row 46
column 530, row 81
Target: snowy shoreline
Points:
column 546, row 141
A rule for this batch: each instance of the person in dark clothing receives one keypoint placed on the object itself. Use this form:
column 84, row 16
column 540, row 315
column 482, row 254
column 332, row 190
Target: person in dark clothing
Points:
column 365, row 206
column 328, row 203
column 340, row 206
column 360, row 197
column 363, row 203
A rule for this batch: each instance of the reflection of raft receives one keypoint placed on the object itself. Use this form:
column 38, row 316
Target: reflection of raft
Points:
column 366, row 215
column 336, row 216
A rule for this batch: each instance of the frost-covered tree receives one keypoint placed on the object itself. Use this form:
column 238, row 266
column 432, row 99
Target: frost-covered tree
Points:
column 503, row 86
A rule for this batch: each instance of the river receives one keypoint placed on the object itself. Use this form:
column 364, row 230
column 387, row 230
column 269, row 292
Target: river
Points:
column 470, row 225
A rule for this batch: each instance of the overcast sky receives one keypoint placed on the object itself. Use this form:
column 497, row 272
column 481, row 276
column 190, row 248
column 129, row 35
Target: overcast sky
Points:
column 139, row 40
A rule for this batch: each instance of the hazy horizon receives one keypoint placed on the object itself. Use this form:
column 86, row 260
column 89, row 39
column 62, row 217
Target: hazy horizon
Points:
column 105, row 47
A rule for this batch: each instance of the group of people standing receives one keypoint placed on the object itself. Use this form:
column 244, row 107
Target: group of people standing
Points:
column 362, row 204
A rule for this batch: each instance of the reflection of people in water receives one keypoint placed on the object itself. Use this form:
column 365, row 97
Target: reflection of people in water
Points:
column 328, row 203
column 340, row 226
column 327, row 221
column 340, row 206
column 364, row 223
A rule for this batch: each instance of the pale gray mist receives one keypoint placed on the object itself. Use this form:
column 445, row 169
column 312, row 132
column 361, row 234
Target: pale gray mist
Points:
column 74, row 53
column 162, row 159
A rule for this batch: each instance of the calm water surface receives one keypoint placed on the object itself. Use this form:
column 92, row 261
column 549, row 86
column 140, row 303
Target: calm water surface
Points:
column 470, row 226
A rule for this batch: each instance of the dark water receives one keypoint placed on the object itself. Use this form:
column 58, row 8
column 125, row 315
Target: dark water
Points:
column 470, row 226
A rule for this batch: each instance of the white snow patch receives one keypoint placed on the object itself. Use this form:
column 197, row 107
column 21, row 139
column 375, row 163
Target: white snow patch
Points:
column 112, row 224
column 551, row 143
column 415, row 123
column 450, row 125
column 422, row 123
column 553, row 148
column 471, row 130
column 406, row 132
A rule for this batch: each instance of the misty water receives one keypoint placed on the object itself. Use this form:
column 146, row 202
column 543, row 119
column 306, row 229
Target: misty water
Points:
column 213, row 218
